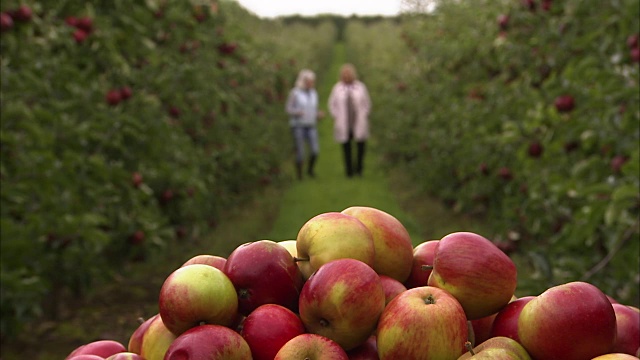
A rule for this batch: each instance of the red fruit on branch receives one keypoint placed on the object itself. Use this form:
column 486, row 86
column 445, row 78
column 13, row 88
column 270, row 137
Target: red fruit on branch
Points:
column 22, row 14
column 166, row 196
column 503, row 21
column 484, row 169
column 529, row 4
column 137, row 237
column 617, row 162
column 505, row 173
column 227, row 48
column 174, row 112
column 80, row 36
column 125, row 93
column 535, row 149
column 85, row 23
column 6, row 22
column 565, row 103
column 71, row 21
column 635, row 54
column 136, row 179
column 113, row 97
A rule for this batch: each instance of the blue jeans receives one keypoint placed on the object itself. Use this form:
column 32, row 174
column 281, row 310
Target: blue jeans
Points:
column 302, row 135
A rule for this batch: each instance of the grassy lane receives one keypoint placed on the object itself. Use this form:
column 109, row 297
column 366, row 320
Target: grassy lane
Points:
column 331, row 190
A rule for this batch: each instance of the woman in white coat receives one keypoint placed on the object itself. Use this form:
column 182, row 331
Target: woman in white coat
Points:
column 349, row 105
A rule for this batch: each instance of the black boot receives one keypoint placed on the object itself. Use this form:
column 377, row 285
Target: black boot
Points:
column 346, row 149
column 312, row 162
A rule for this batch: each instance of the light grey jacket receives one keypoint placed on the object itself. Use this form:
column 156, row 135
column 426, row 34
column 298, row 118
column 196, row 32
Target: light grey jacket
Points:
column 302, row 107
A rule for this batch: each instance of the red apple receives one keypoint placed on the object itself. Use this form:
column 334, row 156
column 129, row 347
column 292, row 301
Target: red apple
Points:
column 210, row 342
column 136, row 179
column 423, row 255
column 211, row 260
column 628, row 329
column 103, row 348
column 535, row 149
column 137, row 237
column 23, row 14
column 503, row 21
column 264, row 272
column 366, row 351
column 330, row 236
column 505, row 173
column 475, row 271
column 267, row 328
column 311, row 347
column 497, row 348
column 632, row 41
column 616, row 356
column 6, row 22
column 80, row 36
column 342, row 300
column 113, row 96
column 481, row 329
column 422, row 323
column 391, row 240
column 564, row 103
column 570, row 321
column 391, row 287
column 156, row 340
column 197, row 294
column 506, row 321
column 86, row 357
column 135, row 340
column 617, row 162
column 125, row 92
column 85, row 23
column 635, row 54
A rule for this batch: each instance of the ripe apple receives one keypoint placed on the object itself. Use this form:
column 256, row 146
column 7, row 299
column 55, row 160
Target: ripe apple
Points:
column 423, row 254
column 506, row 321
column 311, row 347
column 267, row 328
column 535, row 149
column 564, row 103
column 628, row 329
column 635, row 54
column 391, row 240
column 422, row 323
column 497, row 348
column 505, row 173
column 113, row 96
column 615, row 356
column 475, row 271
column 573, row 320
column 205, row 259
column 481, row 329
column 503, row 21
column 136, row 179
column 211, row 342
column 263, row 272
column 103, row 348
column 125, row 92
column 22, row 13
column 196, row 294
column 366, row 351
column 391, row 288
column 342, row 301
column 125, row 356
column 85, row 23
column 617, row 162
column 137, row 237
column 330, row 236
column 154, row 341
column 6, row 22
column 86, row 357
column 135, row 340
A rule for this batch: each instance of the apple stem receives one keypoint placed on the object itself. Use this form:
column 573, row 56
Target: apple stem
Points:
column 426, row 267
column 141, row 320
column 469, row 347
column 297, row 259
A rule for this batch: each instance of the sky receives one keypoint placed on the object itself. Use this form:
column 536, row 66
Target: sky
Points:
column 274, row 8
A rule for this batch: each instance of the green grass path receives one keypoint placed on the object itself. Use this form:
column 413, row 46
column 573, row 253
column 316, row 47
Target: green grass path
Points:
column 331, row 190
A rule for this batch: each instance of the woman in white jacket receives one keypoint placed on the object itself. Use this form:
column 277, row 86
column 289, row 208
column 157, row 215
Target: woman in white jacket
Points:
column 302, row 107
column 349, row 104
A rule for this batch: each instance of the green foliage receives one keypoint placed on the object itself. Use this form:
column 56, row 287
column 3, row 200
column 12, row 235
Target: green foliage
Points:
column 89, row 185
column 464, row 100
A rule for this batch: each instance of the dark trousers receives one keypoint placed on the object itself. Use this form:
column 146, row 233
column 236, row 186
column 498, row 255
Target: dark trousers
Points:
column 348, row 158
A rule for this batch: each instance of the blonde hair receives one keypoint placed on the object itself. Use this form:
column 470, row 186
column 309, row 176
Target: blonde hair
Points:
column 304, row 74
column 348, row 68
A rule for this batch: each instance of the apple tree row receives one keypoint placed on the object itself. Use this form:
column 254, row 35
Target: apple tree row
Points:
column 128, row 128
column 525, row 114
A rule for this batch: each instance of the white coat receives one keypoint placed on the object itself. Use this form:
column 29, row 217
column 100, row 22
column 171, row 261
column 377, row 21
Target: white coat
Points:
column 338, row 109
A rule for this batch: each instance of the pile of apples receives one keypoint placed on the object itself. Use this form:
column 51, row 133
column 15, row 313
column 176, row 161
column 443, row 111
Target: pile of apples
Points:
column 352, row 286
